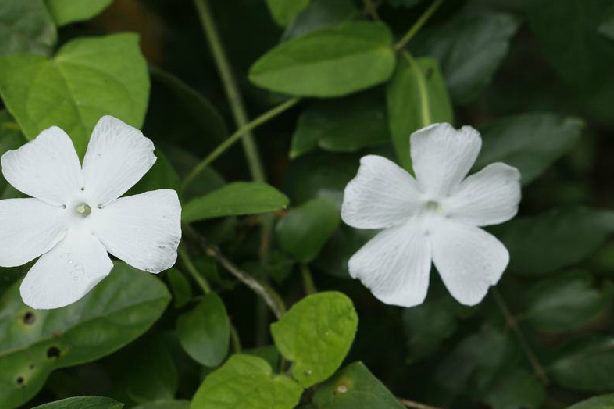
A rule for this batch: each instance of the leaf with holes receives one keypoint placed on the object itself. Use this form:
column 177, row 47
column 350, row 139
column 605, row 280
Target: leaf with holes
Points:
column 88, row 78
column 83, row 402
column 316, row 335
column 26, row 27
column 417, row 97
column 34, row 343
column 246, row 382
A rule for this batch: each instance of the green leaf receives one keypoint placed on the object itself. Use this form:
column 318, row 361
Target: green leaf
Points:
column 162, row 175
column 88, row 78
column 565, row 302
column 530, row 142
column 180, row 287
column 355, row 387
column 470, row 49
column 596, row 402
column 206, row 115
column 329, row 62
column 567, row 31
column 417, row 97
column 316, row 335
column 556, row 239
column 342, row 125
column 69, row 11
column 304, row 230
column 34, row 343
column 235, row 199
column 83, row 402
column 204, row 331
column 585, row 365
column 10, row 138
column 320, row 14
column 147, row 370
column 26, row 27
column 428, row 325
column 169, row 404
column 246, row 382
column 284, row 11
column 518, row 389
column 320, row 174
column 336, row 254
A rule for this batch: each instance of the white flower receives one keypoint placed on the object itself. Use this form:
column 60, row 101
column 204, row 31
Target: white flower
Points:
column 76, row 216
column 432, row 217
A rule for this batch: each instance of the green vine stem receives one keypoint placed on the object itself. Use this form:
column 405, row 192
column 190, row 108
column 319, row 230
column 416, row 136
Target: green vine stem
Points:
column 310, row 287
column 189, row 265
column 418, row 24
column 415, row 405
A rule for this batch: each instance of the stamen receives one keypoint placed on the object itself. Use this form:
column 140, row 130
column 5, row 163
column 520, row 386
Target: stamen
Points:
column 433, row 206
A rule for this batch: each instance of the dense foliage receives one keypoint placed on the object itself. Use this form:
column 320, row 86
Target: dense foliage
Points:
column 260, row 311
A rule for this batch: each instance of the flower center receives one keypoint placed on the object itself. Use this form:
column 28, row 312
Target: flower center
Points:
column 83, row 209
column 433, row 206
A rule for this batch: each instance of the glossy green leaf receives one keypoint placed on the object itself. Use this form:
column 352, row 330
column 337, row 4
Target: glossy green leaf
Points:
column 355, row 387
column 148, row 372
column 329, row 62
column 88, row 78
column 518, row 389
column 304, row 230
column 69, row 11
column 530, row 142
column 320, row 174
column 565, row 302
column 168, row 404
column 180, row 287
column 344, row 243
column 417, row 97
column 235, row 199
column 284, row 11
column 33, row 343
column 83, row 402
column 556, row 239
column 567, row 31
column 316, row 334
column 206, row 115
column 320, row 14
column 342, row 125
column 596, row 402
column 585, row 365
column 26, row 27
column 204, row 331
column 470, row 49
column 246, row 382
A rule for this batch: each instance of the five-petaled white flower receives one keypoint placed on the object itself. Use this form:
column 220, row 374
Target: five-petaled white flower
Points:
column 76, row 214
column 432, row 217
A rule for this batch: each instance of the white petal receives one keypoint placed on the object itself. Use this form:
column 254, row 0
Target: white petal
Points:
column 117, row 157
column 68, row 272
column 143, row 230
column 488, row 197
column 29, row 228
column 47, row 167
column 395, row 265
column 381, row 195
column 442, row 156
column 468, row 259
